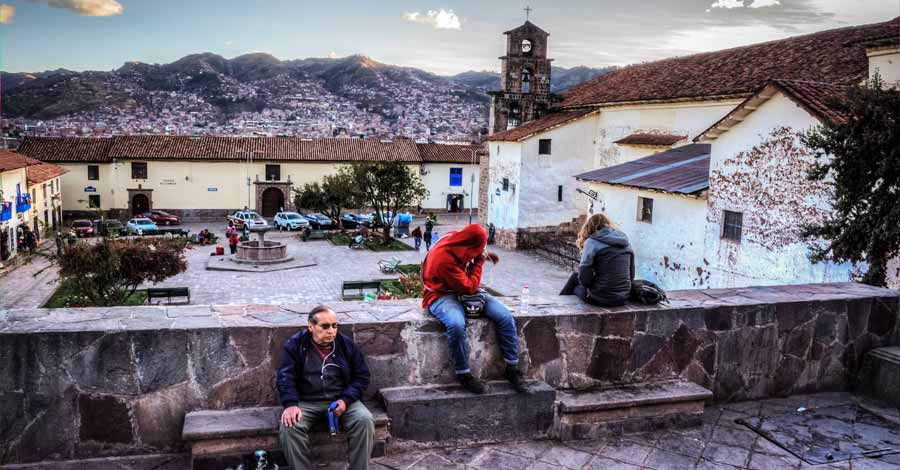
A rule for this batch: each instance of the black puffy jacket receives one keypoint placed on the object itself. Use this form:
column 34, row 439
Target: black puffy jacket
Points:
column 606, row 269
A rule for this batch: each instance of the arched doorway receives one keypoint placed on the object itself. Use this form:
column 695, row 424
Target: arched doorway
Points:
column 272, row 201
column 139, row 204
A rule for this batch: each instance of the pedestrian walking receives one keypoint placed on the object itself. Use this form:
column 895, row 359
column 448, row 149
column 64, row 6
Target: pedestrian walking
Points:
column 417, row 237
column 429, row 227
column 30, row 240
column 233, row 240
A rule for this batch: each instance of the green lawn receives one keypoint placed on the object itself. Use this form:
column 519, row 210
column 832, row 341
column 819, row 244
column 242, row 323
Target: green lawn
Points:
column 67, row 296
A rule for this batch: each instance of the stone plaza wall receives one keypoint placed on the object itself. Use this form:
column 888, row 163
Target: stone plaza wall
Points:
column 80, row 383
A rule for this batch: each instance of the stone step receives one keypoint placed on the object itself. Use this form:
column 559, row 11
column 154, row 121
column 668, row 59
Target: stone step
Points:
column 222, row 437
column 630, row 408
column 449, row 414
column 879, row 376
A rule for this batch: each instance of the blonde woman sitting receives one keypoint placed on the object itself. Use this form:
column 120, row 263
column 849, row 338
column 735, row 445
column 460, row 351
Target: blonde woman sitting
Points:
column 607, row 264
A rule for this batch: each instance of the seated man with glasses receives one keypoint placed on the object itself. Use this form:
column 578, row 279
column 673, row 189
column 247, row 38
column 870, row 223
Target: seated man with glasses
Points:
column 319, row 367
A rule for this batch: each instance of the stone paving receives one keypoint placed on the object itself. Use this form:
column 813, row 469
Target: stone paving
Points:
column 718, row 444
column 335, row 264
column 29, row 285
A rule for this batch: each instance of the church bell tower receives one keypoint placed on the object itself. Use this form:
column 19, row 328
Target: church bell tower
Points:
column 524, row 79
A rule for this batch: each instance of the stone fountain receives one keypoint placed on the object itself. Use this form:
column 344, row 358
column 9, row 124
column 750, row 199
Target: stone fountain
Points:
column 260, row 251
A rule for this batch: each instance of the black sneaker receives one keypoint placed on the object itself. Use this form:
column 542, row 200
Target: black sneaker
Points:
column 470, row 383
column 514, row 375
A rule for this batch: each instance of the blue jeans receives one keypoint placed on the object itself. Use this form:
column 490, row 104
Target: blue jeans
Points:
column 449, row 311
column 418, row 242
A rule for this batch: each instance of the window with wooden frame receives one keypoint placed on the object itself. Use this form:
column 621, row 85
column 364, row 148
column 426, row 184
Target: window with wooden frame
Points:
column 544, row 146
column 732, row 225
column 273, row 172
column 645, row 210
column 93, row 172
column 138, row 170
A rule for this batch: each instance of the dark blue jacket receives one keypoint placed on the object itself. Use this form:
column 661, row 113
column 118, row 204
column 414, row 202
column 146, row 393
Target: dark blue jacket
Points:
column 346, row 354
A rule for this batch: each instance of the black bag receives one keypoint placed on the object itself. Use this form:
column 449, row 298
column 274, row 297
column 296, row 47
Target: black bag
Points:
column 474, row 305
column 646, row 292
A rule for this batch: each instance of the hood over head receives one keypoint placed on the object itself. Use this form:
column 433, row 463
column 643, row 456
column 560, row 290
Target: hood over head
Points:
column 611, row 236
column 466, row 243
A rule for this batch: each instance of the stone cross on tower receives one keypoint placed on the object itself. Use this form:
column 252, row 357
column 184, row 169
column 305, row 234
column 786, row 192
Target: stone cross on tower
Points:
column 528, row 11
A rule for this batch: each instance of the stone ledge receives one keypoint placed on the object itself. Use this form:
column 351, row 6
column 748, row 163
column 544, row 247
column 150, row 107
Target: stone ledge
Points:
column 632, row 396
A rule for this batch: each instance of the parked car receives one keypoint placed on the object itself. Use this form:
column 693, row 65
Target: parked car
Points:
column 349, row 221
column 290, row 221
column 83, row 228
column 319, row 221
column 141, row 225
column 249, row 218
column 108, row 227
column 162, row 218
column 364, row 219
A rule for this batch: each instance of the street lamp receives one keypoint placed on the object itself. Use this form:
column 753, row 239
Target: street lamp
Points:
column 472, row 187
column 249, row 165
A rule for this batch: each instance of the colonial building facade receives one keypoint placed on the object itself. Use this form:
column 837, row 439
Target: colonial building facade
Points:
column 742, row 102
column 206, row 177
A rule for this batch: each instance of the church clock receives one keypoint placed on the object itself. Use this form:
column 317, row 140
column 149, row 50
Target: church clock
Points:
column 526, row 46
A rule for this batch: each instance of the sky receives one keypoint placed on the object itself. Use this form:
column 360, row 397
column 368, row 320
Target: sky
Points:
column 441, row 36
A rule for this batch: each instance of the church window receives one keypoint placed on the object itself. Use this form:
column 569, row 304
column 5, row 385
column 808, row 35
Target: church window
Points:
column 456, row 177
column 544, row 147
column 138, row 170
column 526, row 81
column 273, row 172
column 559, row 193
column 506, row 184
column 93, row 172
column 645, row 210
column 515, row 116
column 732, row 225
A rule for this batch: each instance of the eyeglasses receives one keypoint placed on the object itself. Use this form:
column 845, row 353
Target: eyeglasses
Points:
column 327, row 326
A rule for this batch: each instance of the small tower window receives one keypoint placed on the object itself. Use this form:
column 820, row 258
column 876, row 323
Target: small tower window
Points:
column 515, row 116
column 526, row 81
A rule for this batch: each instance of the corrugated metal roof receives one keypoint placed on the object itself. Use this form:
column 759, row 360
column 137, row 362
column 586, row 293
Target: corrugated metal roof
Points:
column 682, row 170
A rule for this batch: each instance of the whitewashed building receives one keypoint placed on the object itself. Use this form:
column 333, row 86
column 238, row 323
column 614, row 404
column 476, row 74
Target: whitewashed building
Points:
column 733, row 222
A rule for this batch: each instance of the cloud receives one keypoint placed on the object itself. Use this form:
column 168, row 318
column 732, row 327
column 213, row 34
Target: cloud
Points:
column 438, row 19
column 729, row 4
column 87, row 7
column 6, row 13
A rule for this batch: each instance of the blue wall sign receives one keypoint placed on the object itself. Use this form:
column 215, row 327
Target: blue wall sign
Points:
column 212, row 190
column 90, row 189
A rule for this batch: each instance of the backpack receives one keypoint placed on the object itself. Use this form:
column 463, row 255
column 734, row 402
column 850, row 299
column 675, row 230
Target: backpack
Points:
column 646, row 292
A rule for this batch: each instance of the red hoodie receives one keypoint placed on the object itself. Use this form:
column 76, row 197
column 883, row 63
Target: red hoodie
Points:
column 454, row 264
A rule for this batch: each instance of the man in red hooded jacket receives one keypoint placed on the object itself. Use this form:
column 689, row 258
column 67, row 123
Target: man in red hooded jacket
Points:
column 452, row 268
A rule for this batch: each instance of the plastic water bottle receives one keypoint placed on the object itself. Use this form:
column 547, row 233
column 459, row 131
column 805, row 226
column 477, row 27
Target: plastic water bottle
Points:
column 523, row 301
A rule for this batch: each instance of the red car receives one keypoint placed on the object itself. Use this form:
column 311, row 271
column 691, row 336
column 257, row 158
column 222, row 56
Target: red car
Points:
column 161, row 218
column 83, row 228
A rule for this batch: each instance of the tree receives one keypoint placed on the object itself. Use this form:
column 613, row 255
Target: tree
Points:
column 334, row 194
column 860, row 153
column 108, row 272
column 387, row 187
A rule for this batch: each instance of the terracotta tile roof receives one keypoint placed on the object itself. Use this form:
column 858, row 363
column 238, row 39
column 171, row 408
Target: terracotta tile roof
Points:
column 441, row 153
column 643, row 138
column 818, row 99
column 285, row 149
column 539, row 125
column 43, row 172
column 682, row 170
column 833, row 56
column 14, row 161
column 67, row 149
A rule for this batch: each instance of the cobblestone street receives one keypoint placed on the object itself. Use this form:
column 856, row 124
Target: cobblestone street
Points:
column 29, row 285
column 718, row 444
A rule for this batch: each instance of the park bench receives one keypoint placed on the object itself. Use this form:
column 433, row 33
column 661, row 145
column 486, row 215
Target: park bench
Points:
column 360, row 288
column 167, row 293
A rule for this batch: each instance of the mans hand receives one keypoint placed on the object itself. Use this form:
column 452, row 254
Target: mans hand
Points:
column 291, row 416
column 492, row 257
column 341, row 408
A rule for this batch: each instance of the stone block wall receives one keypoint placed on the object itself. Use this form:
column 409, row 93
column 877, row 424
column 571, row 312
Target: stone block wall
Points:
column 80, row 383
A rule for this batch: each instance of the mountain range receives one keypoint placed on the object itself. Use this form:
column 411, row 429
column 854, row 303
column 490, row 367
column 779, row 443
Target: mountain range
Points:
column 217, row 80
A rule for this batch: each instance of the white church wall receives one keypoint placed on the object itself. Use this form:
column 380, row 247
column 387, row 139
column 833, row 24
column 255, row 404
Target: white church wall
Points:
column 571, row 149
column 505, row 164
column 759, row 168
column 886, row 63
column 680, row 119
column 669, row 249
